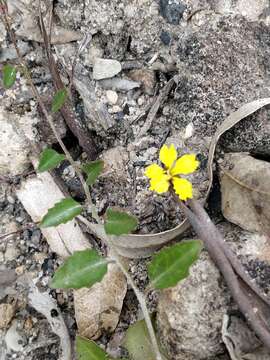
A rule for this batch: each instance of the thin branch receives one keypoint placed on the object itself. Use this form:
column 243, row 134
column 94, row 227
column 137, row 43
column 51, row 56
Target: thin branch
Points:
column 141, row 299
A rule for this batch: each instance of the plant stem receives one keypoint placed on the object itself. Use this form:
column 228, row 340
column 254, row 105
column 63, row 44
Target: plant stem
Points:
column 117, row 258
column 50, row 119
column 141, row 299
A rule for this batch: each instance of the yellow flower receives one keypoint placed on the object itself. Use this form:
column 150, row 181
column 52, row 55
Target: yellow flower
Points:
column 160, row 179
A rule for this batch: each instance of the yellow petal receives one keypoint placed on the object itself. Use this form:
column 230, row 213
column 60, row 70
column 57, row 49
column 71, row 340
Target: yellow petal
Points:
column 160, row 184
column 187, row 164
column 183, row 188
column 154, row 171
column 168, row 155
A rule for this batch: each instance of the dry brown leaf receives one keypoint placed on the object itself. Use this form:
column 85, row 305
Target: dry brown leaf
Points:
column 245, row 192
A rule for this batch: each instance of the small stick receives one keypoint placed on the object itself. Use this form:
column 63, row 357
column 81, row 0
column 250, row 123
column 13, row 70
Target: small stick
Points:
column 253, row 306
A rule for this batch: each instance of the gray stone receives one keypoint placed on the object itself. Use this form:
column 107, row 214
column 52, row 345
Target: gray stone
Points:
column 16, row 134
column 106, row 68
column 172, row 10
column 13, row 339
column 190, row 315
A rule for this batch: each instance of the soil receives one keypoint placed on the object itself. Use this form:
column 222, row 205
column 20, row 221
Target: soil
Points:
column 220, row 59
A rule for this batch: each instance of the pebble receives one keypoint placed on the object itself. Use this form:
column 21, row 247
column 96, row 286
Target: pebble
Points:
column 13, row 339
column 141, row 100
column 6, row 314
column 112, row 96
column 106, row 68
column 115, row 109
column 189, row 131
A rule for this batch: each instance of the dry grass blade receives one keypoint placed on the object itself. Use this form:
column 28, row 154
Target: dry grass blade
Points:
column 155, row 107
column 227, row 124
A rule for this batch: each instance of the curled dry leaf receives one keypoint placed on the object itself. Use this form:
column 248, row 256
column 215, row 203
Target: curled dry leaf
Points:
column 245, row 192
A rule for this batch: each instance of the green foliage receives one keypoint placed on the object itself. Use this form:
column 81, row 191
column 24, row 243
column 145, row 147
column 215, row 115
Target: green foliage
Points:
column 119, row 222
column 49, row 159
column 9, row 75
column 62, row 212
column 89, row 350
column 59, row 99
column 138, row 343
column 82, row 269
column 93, row 169
column 172, row 264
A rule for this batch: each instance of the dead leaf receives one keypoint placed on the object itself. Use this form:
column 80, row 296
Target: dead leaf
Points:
column 245, row 192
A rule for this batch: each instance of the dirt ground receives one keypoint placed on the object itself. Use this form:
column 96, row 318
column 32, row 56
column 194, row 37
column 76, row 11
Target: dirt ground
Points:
column 218, row 53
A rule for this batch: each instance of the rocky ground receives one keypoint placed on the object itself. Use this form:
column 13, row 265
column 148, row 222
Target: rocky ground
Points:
column 216, row 56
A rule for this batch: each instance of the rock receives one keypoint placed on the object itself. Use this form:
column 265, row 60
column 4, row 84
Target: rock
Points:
column 190, row 315
column 97, row 115
column 10, row 53
column 6, row 315
column 112, row 97
column 13, row 339
column 11, row 252
column 106, row 68
column 172, row 10
column 115, row 161
column 146, row 77
column 118, row 84
column 96, row 313
column 245, row 192
column 16, row 133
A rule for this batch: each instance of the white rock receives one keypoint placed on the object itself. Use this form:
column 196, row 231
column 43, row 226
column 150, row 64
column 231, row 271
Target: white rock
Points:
column 106, row 68
column 13, row 339
column 189, row 131
column 15, row 136
column 112, row 96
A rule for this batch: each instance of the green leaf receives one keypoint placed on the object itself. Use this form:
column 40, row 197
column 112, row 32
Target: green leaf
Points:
column 9, row 75
column 89, row 350
column 138, row 343
column 62, row 212
column 59, row 99
column 172, row 264
column 49, row 159
column 93, row 169
column 119, row 222
column 82, row 269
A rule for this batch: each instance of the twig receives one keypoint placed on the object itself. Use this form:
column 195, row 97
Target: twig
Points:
column 27, row 227
column 154, row 109
column 79, row 129
column 252, row 303
column 141, row 299
column 44, row 110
